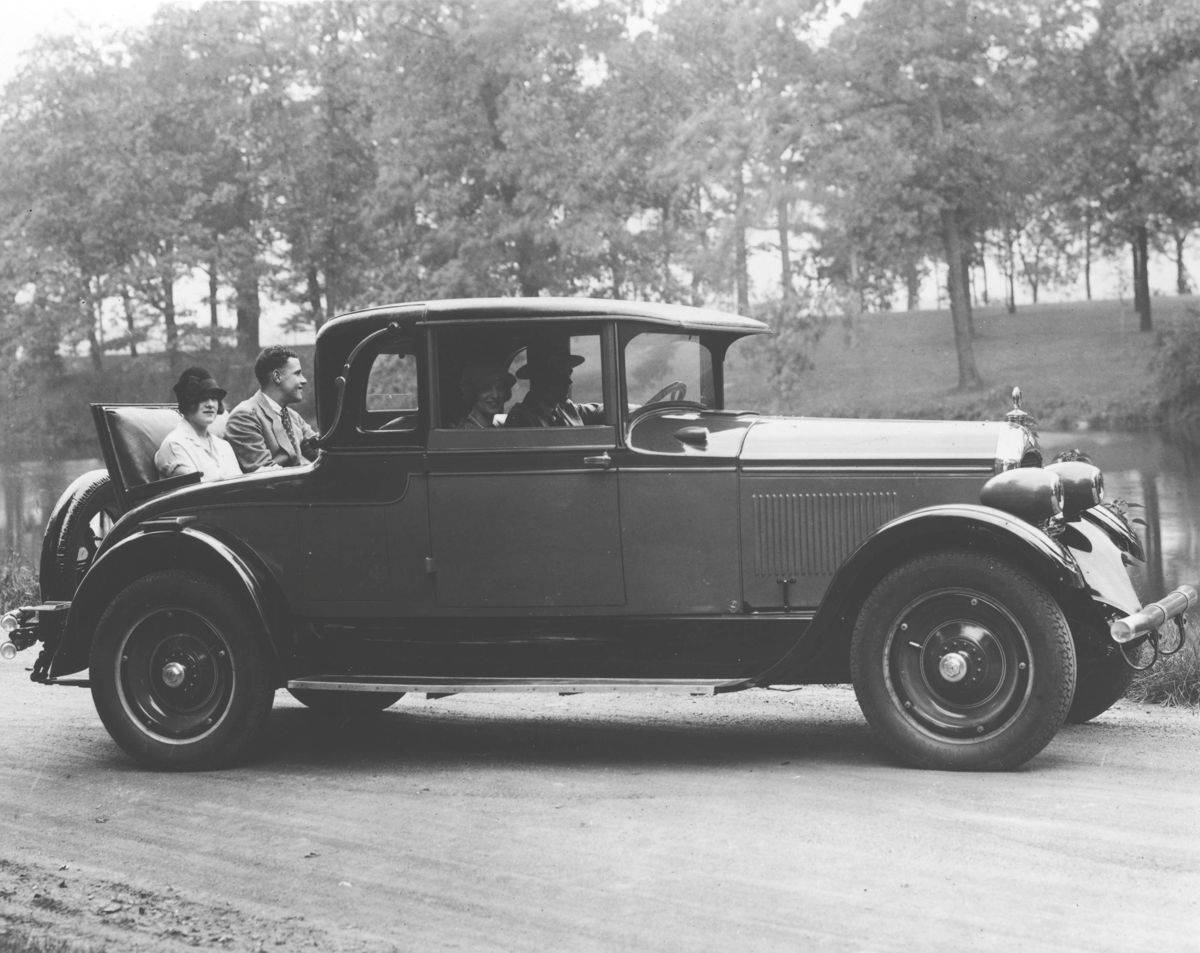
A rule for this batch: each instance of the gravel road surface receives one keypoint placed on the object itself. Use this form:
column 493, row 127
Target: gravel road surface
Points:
column 762, row 820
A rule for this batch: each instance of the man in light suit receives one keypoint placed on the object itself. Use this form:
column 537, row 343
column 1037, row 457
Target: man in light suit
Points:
column 264, row 430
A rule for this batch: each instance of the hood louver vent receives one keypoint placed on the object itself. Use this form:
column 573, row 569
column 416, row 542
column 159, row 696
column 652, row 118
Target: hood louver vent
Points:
column 811, row 534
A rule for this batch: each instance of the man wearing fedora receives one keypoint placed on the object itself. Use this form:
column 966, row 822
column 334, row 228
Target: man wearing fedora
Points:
column 264, row 430
column 548, row 367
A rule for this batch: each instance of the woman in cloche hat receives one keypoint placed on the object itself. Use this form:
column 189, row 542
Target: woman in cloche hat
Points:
column 190, row 447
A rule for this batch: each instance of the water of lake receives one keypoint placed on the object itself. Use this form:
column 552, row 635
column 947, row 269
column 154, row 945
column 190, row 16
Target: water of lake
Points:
column 1161, row 475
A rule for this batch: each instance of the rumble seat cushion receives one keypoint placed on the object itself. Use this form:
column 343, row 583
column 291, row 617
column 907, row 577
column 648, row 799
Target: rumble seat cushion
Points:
column 130, row 435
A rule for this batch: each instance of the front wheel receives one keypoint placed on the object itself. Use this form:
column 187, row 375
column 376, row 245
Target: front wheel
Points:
column 179, row 673
column 962, row 661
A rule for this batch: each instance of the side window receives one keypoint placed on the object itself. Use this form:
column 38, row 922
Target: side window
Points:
column 528, row 377
column 667, row 367
column 391, row 400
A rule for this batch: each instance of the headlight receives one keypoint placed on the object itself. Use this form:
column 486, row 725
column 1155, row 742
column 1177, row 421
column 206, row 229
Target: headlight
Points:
column 1034, row 494
column 9, row 623
column 1083, row 486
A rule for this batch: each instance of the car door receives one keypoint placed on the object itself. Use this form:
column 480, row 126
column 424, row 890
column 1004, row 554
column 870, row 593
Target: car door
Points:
column 525, row 517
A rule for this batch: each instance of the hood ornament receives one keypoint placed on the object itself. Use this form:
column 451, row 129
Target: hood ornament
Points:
column 1018, row 416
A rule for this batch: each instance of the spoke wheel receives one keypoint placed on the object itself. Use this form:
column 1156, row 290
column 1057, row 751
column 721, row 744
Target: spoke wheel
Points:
column 962, row 661
column 179, row 672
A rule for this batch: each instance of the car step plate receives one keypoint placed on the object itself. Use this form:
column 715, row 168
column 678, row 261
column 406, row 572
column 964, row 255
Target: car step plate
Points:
column 433, row 685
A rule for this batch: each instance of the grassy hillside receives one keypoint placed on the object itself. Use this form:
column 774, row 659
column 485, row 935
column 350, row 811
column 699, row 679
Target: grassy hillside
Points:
column 1080, row 363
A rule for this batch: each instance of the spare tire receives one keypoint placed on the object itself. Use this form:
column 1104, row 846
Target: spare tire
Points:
column 81, row 518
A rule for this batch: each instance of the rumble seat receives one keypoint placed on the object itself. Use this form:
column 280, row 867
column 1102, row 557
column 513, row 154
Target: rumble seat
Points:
column 130, row 435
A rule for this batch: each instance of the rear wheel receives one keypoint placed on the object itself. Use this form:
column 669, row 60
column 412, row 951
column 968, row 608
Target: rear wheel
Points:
column 962, row 661
column 179, row 673
column 345, row 705
column 84, row 515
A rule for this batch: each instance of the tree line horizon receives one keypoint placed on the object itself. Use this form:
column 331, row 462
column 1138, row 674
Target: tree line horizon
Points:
column 336, row 155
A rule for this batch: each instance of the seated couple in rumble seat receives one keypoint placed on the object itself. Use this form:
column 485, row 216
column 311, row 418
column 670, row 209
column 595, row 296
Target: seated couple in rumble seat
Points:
column 261, row 433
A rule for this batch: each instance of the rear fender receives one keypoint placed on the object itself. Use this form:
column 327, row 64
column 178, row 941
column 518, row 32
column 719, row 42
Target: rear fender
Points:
column 825, row 657
column 152, row 549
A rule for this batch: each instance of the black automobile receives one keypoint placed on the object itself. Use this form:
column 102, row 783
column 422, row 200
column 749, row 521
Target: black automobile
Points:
column 652, row 539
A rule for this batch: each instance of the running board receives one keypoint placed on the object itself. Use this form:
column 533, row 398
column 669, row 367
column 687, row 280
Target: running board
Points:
column 440, row 687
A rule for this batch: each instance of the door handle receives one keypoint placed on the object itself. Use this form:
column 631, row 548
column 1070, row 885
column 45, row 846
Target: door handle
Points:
column 602, row 462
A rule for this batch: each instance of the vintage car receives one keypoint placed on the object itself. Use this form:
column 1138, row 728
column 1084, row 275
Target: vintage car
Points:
column 657, row 541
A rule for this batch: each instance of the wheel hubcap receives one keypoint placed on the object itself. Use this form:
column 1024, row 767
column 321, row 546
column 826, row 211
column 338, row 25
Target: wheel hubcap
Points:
column 174, row 674
column 958, row 664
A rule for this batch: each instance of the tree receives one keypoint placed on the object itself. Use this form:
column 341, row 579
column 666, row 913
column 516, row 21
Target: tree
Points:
column 1131, row 103
column 924, row 94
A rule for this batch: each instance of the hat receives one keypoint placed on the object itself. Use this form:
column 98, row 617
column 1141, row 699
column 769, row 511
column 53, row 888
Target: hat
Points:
column 195, row 384
column 478, row 370
column 544, row 353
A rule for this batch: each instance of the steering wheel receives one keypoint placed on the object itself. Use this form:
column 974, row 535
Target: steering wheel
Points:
column 676, row 390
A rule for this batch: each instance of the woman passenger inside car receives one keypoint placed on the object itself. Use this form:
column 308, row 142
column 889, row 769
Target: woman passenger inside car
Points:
column 485, row 386
column 191, row 447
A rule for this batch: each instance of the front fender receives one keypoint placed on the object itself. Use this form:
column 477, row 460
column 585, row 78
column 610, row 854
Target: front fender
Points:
column 949, row 526
column 1099, row 559
column 150, row 549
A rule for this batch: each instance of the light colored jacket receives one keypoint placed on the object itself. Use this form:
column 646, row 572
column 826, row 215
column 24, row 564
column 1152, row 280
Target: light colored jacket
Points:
column 255, row 428
column 185, row 451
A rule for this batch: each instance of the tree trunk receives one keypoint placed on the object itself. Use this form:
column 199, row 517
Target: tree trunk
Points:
column 617, row 268
column 1141, row 277
column 960, row 303
column 739, row 250
column 966, row 279
column 785, row 251
column 131, row 326
column 1010, row 273
column 983, row 270
column 249, row 309
column 912, row 285
column 214, row 327
column 91, row 318
column 313, row 293
column 1182, row 285
column 168, row 312
column 1087, row 256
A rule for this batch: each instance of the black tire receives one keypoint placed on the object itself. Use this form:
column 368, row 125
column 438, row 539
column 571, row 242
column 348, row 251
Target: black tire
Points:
column 179, row 672
column 961, row 661
column 81, row 519
column 345, row 705
column 1103, row 679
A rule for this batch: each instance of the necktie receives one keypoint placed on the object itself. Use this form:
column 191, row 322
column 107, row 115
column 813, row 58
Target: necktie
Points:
column 291, row 433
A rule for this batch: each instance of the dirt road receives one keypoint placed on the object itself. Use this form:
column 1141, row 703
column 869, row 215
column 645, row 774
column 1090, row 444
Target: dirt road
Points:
column 765, row 821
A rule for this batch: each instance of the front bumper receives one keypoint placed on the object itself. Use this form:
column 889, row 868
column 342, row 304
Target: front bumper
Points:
column 1153, row 616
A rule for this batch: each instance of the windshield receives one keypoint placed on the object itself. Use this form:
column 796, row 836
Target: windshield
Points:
column 665, row 367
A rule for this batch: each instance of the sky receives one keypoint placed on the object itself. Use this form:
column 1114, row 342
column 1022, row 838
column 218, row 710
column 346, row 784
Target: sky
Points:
column 24, row 20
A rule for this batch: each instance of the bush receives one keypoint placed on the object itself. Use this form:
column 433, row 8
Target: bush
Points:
column 18, row 582
column 1174, row 680
column 1179, row 376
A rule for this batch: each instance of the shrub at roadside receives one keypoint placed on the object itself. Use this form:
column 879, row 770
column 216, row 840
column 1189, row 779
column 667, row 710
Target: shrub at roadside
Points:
column 18, row 582
column 1174, row 680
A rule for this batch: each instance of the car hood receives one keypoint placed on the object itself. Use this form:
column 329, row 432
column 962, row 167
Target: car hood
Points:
column 811, row 441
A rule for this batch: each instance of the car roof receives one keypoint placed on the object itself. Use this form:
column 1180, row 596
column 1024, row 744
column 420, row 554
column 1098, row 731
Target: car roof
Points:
column 464, row 310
